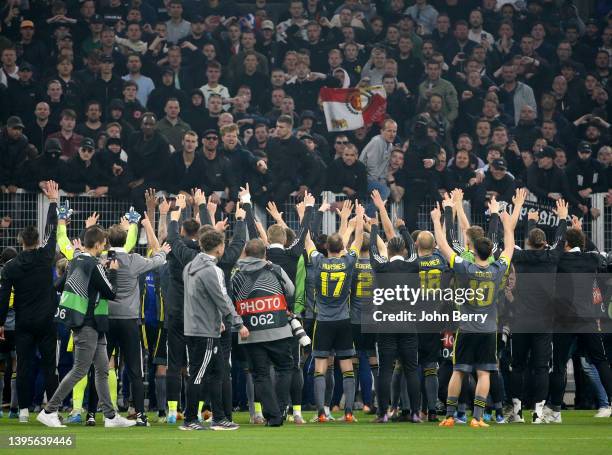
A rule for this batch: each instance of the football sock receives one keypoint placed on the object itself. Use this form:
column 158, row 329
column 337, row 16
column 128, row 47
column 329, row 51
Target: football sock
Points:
column 112, row 386
column 451, row 406
column 431, row 388
column 160, row 393
column 479, row 406
column 348, row 385
column 319, row 391
column 14, row 402
column 374, row 369
column 330, row 383
column 78, row 393
column 172, row 407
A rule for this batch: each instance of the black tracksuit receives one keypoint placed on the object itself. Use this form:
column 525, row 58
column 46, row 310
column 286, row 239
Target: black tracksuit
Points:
column 30, row 275
column 355, row 177
column 183, row 252
column 532, row 315
column 392, row 346
column 576, row 320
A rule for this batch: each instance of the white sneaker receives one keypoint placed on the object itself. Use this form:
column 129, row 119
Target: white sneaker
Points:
column 515, row 418
column 536, row 419
column 49, row 419
column 604, row 412
column 118, row 422
column 553, row 417
column 24, row 415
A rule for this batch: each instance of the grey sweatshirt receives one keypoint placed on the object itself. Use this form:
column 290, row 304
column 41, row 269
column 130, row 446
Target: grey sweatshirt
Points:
column 131, row 265
column 376, row 157
column 206, row 299
column 243, row 284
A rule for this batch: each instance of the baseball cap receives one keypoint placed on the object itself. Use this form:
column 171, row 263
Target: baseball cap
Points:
column 167, row 70
column 14, row 122
column 25, row 66
column 499, row 164
column 546, row 152
column 210, row 131
column 96, row 19
column 88, row 143
column 106, row 59
column 585, row 147
column 26, row 24
column 267, row 25
column 198, row 19
column 308, row 114
column 113, row 140
column 53, row 145
column 307, row 136
column 116, row 104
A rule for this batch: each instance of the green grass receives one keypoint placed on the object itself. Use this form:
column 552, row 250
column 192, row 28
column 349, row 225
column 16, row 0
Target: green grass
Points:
column 580, row 433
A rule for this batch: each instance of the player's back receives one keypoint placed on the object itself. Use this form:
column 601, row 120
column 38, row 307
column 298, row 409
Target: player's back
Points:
column 484, row 284
column 333, row 285
column 361, row 288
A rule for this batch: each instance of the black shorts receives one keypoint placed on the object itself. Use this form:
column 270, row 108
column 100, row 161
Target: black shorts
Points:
column 154, row 341
column 333, row 338
column 475, row 351
column 363, row 341
column 430, row 345
column 7, row 346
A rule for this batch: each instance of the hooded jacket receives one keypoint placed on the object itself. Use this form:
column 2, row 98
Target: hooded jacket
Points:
column 126, row 304
column 206, row 300
column 260, row 291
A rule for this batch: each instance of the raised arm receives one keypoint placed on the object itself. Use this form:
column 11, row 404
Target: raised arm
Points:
column 562, row 213
column 464, row 223
column 151, row 237
column 344, row 213
column 234, row 249
column 180, row 251
column 245, row 201
column 63, row 214
column 49, row 242
column 358, row 240
column 384, row 215
column 275, row 214
column 439, row 234
column 408, row 240
column 297, row 247
column 509, row 225
column 199, row 199
column 162, row 226
column 378, row 252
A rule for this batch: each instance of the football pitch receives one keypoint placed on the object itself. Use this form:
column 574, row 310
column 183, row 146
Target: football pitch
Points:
column 580, row 433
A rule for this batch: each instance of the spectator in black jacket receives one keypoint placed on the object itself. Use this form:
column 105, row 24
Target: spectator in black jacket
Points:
column 586, row 176
column 186, row 166
column 348, row 175
column 290, row 164
column 497, row 183
column 24, row 93
column 163, row 92
column 30, row 277
column 242, row 161
column 546, row 181
column 115, row 168
column 217, row 175
column 48, row 165
column 107, row 86
column 13, row 152
column 149, row 159
column 83, row 173
column 40, row 127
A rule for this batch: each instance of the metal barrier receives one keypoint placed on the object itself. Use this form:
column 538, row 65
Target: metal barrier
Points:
column 23, row 209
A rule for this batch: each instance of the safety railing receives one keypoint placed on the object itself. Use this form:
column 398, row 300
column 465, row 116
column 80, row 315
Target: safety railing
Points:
column 22, row 209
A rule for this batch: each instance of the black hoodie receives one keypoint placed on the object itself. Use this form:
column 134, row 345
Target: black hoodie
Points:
column 30, row 275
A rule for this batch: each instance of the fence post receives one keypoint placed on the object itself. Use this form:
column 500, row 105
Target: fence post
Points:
column 42, row 206
column 329, row 217
column 598, row 202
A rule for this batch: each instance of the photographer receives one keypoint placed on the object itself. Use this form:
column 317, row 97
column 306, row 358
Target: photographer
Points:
column 257, row 279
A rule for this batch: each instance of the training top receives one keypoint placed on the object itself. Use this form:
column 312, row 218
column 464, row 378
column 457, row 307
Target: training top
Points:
column 361, row 291
column 489, row 281
column 333, row 284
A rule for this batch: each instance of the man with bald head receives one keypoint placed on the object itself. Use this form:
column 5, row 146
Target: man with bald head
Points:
column 434, row 274
column 40, row 127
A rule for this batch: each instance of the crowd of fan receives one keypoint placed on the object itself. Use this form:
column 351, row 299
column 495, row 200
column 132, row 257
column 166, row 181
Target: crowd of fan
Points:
column 114, row 97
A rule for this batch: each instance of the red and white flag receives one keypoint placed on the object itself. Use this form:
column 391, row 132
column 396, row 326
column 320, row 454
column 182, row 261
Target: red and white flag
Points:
column 347, row 109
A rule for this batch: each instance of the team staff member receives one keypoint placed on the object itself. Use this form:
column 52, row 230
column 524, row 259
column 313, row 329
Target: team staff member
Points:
column 124, row 309
column 475, row 342
column 84, row 309
column 533, row 314
column 206, row 306
column 332, row 332
column 30, row 277
column 270, row 339
column 392, row 346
